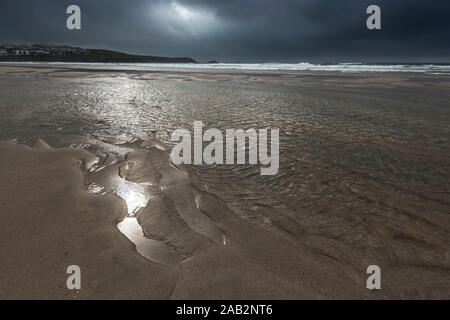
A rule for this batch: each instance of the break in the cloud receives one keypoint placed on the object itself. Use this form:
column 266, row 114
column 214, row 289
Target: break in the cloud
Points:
column 240, row 30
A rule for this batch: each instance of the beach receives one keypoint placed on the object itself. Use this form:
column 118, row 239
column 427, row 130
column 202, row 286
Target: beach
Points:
column 87, row 180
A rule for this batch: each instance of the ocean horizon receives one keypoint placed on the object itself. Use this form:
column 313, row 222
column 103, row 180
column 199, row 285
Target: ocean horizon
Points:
column 301, row 66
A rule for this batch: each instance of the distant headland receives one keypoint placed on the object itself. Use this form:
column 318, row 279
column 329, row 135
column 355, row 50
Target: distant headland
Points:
column 61, row 53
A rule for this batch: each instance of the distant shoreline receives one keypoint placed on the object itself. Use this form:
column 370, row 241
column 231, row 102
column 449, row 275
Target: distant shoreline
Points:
column 96, row 56
column 258, row 67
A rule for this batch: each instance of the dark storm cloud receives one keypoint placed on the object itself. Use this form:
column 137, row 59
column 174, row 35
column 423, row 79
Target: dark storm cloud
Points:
column 239, row 30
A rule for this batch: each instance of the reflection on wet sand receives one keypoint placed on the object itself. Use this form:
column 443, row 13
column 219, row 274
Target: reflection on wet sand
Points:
column 153, row 250
column 160, row 197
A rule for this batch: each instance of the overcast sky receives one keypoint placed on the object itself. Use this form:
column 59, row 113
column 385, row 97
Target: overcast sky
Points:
column 240, row 30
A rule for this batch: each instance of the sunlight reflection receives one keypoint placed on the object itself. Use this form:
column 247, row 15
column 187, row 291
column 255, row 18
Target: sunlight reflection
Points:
column 135, row 196
column 154, row 250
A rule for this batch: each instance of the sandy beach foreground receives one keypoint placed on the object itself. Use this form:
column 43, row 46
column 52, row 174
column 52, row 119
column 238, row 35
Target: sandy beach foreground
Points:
column 364, row 179
column 50, row 221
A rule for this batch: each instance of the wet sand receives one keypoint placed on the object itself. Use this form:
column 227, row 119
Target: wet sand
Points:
column 364, row 174
column 50, row 220
column 382, row 80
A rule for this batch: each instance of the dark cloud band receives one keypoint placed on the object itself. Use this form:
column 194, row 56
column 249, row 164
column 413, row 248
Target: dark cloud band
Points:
column 240, row 30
